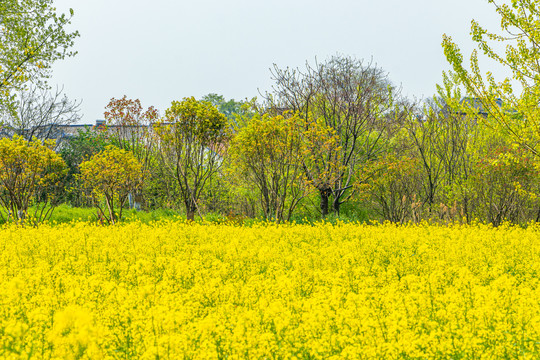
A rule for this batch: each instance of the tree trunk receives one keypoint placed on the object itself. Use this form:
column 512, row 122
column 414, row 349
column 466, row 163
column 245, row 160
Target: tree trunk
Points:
column 325, row 194
column 190, row 212
column 191, row 206
column 336, row 204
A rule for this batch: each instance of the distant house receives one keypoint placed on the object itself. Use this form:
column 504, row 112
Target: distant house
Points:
column 62, row 133
column 57, row 132
column 473, row 103
column 477, row 104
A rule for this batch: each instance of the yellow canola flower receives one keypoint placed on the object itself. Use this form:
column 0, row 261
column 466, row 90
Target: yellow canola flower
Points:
column 174, row 290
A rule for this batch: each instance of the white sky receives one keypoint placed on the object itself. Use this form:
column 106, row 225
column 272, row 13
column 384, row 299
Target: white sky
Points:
column 164, row 50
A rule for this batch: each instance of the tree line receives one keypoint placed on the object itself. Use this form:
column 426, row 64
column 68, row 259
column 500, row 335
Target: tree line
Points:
column 332, row 139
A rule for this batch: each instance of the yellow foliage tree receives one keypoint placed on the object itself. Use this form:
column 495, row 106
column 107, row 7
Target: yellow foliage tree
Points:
column 285, row 157
column 29, row 175
column 111, row 175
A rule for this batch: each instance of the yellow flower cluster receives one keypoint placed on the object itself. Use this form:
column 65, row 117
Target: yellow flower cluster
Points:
column 173, row 290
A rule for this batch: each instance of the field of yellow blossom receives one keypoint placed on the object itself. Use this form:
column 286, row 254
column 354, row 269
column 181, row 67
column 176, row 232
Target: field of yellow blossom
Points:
column 172, row 290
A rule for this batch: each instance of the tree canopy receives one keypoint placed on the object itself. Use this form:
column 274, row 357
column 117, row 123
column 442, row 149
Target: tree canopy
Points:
column 193, row 135
column 351, row 97
column 111, row 175
column 514, row 109
column 32, row 37
column 28, row 168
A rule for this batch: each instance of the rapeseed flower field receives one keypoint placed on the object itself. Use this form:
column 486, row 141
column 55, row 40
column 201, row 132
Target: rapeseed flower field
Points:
column 173, row 290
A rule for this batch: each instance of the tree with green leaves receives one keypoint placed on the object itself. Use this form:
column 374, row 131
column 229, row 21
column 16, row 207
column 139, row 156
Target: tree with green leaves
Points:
column 229, row 108
column 514, row 110
column 75, row 150
column 32, row 37
column 192, row 139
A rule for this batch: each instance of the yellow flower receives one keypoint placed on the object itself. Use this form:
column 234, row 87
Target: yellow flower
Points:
column 345, row 291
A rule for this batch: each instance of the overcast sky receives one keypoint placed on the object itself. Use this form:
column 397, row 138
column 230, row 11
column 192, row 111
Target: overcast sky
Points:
column 164, row 50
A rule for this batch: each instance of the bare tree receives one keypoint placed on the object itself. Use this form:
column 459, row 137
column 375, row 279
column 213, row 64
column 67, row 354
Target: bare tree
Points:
column 353, row 98
column 41, row 112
